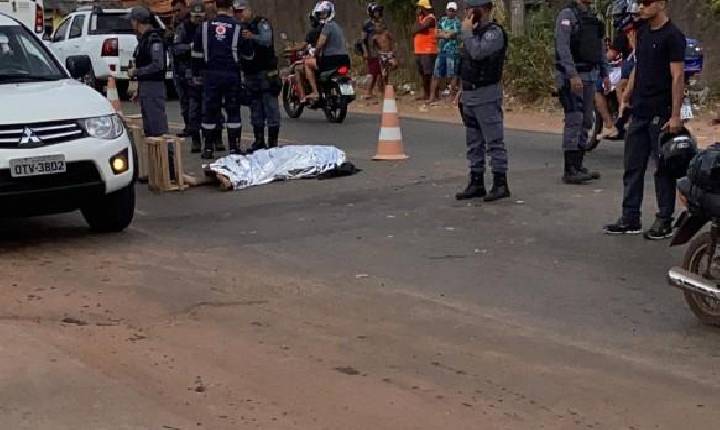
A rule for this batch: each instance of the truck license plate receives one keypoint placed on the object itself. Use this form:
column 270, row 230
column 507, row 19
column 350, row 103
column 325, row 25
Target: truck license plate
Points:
column 37, row 166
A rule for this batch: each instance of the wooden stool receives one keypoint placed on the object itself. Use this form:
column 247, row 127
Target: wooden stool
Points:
column 135, row 123
column 159, row 163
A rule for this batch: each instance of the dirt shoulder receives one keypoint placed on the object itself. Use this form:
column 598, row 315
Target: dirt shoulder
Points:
column 546, row 118
column 152, row 335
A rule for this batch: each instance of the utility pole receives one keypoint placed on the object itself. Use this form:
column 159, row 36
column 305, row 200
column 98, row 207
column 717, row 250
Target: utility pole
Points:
column 517, row 17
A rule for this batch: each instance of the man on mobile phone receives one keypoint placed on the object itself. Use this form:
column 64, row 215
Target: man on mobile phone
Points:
column 482, row 60
column 655, row 94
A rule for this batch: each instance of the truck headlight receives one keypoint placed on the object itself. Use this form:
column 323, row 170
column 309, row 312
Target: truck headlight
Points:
column 103, row 127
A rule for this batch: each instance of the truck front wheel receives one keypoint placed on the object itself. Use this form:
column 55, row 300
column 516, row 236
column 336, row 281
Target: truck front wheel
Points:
column 112, row 213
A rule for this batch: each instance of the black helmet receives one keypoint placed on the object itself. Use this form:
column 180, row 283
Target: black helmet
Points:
column 704, row 171
column 374, row 7
column 676, row 152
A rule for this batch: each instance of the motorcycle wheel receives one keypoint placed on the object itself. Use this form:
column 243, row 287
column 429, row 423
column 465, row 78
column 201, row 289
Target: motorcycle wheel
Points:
column 595, row 131
column 707, row 310
column 336, row 106
column 291, row 102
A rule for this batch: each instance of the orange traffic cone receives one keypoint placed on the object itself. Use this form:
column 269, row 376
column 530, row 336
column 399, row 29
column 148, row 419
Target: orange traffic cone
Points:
column 112, row 95
column 390, row 145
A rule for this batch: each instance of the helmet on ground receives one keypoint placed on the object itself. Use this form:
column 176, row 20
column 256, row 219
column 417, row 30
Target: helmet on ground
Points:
column 373, row 8
column 425, row 4
column 676, row 152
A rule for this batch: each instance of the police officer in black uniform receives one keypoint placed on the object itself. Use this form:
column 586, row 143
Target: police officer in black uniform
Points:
column 482, row 61
column 261, row 77
column 149, row 70
column 189, row 94
column 580, row 63
column 218, row 50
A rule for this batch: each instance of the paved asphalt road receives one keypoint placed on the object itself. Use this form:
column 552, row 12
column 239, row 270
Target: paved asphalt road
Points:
column 372, row 301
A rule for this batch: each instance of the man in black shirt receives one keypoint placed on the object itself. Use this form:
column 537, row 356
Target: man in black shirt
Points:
column 655, row 95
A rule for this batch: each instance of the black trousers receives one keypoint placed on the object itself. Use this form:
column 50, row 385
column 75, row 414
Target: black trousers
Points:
column 642, row 144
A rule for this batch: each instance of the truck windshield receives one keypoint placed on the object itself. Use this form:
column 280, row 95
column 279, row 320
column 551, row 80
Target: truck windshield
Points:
column 110, row 23
column 23, row 58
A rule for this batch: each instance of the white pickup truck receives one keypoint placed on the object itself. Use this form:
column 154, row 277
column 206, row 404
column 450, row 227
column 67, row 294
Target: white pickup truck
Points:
column 106, row 37
column 29, row 12
column 62, row 146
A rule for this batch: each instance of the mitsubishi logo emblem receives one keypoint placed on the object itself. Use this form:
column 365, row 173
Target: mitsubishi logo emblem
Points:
column 29, row 140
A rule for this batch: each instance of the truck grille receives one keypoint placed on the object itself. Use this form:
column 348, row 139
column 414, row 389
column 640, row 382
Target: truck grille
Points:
column 49, row 133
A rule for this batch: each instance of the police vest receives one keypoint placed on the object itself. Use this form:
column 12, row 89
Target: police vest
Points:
column 144, row 55
column 586, row 40
column 488, row 71
column 265, row 58
column 184, row 35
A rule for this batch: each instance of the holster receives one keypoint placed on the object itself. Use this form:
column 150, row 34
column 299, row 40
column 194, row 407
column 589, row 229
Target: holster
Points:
column 469, row 120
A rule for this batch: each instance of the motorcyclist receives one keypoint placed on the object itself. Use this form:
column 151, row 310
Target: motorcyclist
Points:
column 309, row 61
column 331, row 51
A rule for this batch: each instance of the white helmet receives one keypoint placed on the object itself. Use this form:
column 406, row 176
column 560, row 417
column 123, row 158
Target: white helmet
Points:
column 322, row 7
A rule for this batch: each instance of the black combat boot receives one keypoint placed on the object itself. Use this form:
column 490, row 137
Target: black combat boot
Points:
column 500, row 189
column 475, row 188
column 209, row 137
column 196, row 146
column 594, row 175
column 572, row 175
column 234, row 137
column 273, row 136
column 259, row 142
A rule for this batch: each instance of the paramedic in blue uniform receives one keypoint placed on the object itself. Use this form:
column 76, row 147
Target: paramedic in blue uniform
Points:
column 218, row 50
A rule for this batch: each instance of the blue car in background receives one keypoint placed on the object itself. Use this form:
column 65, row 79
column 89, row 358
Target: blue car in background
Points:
column 693, row 58
column 694, row 61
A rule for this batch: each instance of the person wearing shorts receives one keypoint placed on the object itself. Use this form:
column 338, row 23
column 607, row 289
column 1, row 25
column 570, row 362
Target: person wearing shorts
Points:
column 331, row 52
column 425, row 44
column 448, row 60
column 370, row 55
